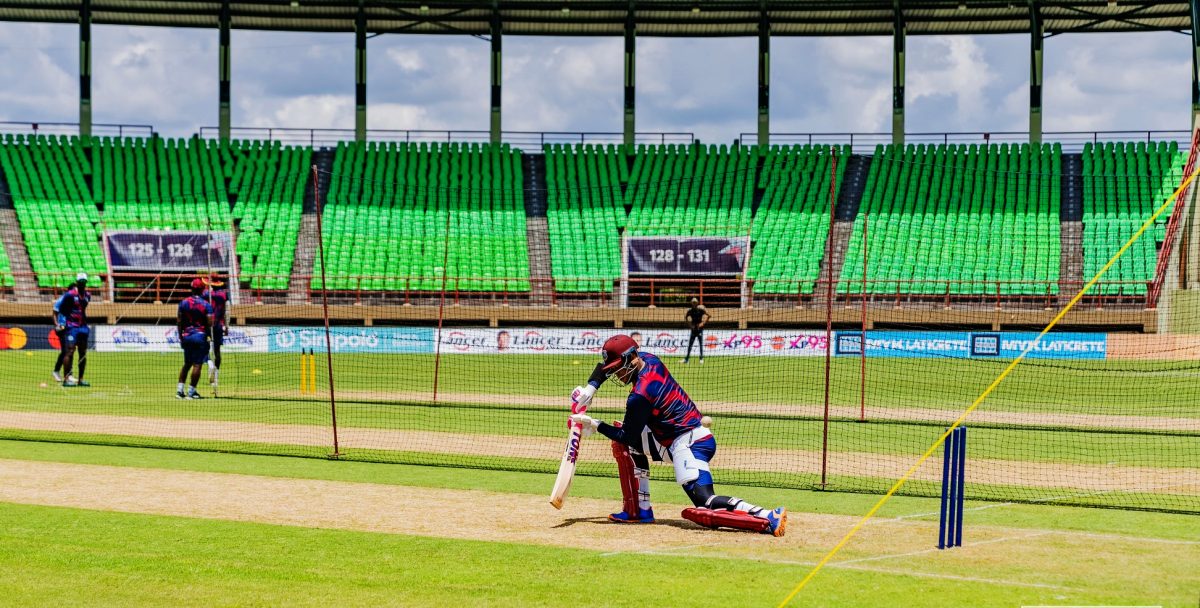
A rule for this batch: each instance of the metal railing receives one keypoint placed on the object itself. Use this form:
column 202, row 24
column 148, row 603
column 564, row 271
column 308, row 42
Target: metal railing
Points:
column 331, row 137
column 72, row 128
column 639, row 292
column 1071, row 141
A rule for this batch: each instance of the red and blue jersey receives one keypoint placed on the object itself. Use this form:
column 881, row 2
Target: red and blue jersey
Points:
column 194, row 313
column 656, row 401
column 218, row 298
column 672, row 412
column 70, row 310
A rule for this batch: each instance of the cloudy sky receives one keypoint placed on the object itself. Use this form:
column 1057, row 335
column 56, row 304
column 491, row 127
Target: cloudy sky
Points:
column 167, row 78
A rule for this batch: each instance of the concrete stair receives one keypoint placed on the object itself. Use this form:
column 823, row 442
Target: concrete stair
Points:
column 537, row 230
column 24, row 283
column 306, row 242
column 302, row 266
column 831, row 263
column 1070, row 273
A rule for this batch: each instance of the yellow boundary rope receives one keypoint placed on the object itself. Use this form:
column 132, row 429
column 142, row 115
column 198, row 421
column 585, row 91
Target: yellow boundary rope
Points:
column 913, row 469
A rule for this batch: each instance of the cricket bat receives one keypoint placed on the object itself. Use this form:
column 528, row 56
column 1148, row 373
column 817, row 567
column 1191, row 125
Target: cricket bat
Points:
column 566, row 468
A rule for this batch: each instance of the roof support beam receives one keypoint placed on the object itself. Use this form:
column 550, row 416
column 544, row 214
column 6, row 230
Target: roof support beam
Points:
column 85, row 68
column 764, row 80
column 898, row 76
column 1195, row 64
column 223, row 73
column 360, row 74
column 1036, row 38
column 630, row 121
column 497, row 60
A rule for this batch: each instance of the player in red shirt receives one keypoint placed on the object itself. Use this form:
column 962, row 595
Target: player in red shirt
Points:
column 217, row 297
column 663, row 422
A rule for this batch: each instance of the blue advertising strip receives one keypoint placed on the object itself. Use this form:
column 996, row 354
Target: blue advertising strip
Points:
column 389, row 340
column 966, row 345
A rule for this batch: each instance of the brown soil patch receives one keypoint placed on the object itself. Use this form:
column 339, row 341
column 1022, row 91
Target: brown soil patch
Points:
column 1077, row 477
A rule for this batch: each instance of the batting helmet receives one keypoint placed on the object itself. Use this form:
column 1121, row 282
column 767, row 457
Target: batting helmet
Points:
column 619, row 352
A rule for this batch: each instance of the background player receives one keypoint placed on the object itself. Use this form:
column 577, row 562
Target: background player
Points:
column 60, row 330
column 218, row 297
column 70, row 322
column 193, row 322
column 662, row 421
column 696, row 317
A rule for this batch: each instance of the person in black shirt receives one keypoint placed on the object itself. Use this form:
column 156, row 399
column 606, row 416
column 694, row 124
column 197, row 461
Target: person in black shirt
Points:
column 696, row 317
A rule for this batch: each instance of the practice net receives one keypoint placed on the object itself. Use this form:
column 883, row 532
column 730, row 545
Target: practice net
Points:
column 445, row 300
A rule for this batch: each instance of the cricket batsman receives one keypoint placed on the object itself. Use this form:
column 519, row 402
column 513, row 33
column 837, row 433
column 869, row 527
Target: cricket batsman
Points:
column 662, row 422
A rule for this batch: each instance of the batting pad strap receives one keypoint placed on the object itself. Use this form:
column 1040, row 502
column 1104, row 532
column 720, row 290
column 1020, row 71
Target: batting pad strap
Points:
column 729, row 519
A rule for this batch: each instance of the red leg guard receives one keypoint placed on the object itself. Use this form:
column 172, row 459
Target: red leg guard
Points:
column 629, row 481
column 730, row 519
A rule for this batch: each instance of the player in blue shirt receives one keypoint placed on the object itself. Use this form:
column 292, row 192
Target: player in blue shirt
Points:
column 60, row 330
column 70, row 323
column 663, row 422
column 193, row 322
column 218, row 297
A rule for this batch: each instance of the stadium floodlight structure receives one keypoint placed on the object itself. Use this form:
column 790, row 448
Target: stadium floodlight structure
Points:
column 494, row 19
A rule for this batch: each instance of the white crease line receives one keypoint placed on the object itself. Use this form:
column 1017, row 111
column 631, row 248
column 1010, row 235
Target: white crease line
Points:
column 970, row 579
column 1124, row 537
column 842, row 565
column 935, row 550
column 669, row 551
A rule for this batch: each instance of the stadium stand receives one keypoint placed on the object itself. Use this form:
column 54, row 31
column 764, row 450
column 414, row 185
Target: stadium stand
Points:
column 691, row 190
column 792, row 222
column 153, row 184
column 6, row 276
column 266, row 181
column 585, row 211
column 677, row 190
column 47, row 176
column 385, row 227
column 957, row 219
column 1123, row 185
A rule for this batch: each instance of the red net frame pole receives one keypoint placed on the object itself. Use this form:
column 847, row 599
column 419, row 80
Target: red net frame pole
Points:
column 320, row 209
column 828, row 313
column 1177, row 214
column 437, row 352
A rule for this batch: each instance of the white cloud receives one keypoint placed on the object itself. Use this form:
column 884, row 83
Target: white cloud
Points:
column 168, row 78
column 310, row 111
column 408, row 60
column 1117, row 82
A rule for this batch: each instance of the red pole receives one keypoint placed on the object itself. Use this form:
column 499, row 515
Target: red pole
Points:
column 828, row 314
column 325, row 306
column 862, row 373
column 437, row 352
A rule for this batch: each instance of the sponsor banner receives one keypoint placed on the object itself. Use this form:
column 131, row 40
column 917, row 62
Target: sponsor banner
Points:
column 28, row 337
column 164, row 339
column 389, row 340
column 965, row 345
column 659, row 342
column 687, row 255
column 178, row 250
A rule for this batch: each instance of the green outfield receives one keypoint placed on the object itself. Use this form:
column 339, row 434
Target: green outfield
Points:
column 1134, row 388
column 156, row 552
